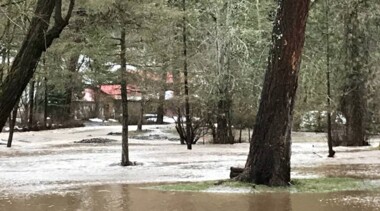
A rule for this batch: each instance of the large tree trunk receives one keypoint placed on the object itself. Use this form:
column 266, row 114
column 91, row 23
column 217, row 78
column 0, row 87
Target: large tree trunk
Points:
column 39, row 37
column 124, row 100
column 268, row 160
column 353, row 102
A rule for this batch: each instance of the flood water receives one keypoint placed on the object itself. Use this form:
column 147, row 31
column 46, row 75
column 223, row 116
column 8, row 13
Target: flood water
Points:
column 131, row 197
column 46, row 170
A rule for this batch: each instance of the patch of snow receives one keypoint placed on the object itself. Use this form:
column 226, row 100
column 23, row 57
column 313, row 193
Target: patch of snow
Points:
column 112, row 120
column 169, row 95
column 150, row 115
column 153, row 118
column 116, row 67
column 96, row 120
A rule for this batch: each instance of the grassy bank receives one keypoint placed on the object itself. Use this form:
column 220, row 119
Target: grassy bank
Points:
column 318, row 185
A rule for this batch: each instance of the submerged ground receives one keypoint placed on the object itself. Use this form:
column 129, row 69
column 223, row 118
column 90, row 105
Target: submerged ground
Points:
column 46, row 170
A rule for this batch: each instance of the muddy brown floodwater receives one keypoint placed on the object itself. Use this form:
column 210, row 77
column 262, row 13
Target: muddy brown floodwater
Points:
column 46, row 170
column 133, row 198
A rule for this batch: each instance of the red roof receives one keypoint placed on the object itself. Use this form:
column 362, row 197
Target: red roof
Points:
column 115, row 91
column 169, row 78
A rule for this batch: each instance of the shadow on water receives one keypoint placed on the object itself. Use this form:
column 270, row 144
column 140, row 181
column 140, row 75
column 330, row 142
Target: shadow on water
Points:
column 131, row 197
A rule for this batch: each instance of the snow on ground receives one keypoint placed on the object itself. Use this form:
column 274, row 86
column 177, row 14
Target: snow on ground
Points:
column 50, row 161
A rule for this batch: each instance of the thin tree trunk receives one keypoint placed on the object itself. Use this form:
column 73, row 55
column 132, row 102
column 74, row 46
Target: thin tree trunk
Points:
column 97, row 106
column 12, row 124
column 189, row 138
column 161, row 101
column 241, row 129
column 39, row 37
column 231, row 137
column 31, row 104
column 37, row 92
column 268, row 160
column 329, row 129
column 45, row 85
column 141, row 119
column 3, row 59
column 72, row 68
column 249, row 135
column 124, row 100
column 179, row 127
column 46, row 91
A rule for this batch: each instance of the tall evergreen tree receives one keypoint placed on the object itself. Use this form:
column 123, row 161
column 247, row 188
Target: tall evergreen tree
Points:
column 354, row 100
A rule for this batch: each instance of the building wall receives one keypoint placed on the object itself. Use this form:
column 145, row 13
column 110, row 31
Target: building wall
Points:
column 109, row 109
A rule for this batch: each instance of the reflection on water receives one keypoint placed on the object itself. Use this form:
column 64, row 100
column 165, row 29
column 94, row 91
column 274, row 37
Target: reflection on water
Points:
column 130, row 197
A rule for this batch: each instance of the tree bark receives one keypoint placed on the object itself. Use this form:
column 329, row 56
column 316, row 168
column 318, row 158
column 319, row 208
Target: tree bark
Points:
column 38, row 38
column 124, row 100
column 189, row 140
column 268, row 160
column 45, row 84
column 12, row 124
column 46, row 91
column 249, row 135
column 161, row 101
column 234, row 172
column 240, row 132
column 141, row 119
column 3, row 53
column 31, row 104
column 329, row 126
column 179, row 127
column 223, row 130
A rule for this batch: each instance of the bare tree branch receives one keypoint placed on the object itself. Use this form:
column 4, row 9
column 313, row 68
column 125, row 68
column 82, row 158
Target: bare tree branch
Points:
column 58, row 13
column 60, row 23
column 70, row 10
column 11, row 3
